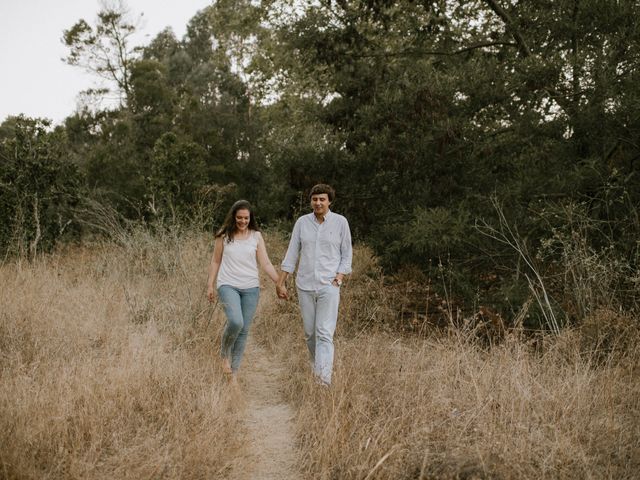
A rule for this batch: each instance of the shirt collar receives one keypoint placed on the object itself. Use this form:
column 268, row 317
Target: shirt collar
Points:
column 326, row 216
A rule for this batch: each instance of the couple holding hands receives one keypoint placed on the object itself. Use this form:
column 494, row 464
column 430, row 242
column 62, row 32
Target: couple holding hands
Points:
column 320, row 241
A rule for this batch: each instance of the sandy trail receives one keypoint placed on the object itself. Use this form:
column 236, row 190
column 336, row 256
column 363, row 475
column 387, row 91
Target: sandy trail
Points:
column 271, row 450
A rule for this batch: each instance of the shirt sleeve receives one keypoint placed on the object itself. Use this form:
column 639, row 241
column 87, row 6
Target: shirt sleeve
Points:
column 293, row 252
column 346, row 250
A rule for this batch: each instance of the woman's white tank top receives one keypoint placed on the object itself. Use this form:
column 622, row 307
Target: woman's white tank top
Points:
column 239, row 267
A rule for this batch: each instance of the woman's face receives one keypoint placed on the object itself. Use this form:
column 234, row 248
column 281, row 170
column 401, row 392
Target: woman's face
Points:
column 242, row 219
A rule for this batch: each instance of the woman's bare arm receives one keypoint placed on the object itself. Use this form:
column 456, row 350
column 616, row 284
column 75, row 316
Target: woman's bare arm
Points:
column 214, row 266
column 263, row 259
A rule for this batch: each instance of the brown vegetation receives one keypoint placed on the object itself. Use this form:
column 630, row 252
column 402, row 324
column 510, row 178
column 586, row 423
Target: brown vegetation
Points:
column 108, row 371
column 449, row 405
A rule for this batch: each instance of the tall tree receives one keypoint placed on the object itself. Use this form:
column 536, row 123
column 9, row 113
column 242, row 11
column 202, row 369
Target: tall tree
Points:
column 105, row 49
column 425, row 110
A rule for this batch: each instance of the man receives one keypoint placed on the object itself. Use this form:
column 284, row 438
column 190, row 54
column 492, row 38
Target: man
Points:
column 322, row 242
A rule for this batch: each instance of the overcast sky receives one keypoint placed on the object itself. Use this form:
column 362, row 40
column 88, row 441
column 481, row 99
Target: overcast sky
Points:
column 33, row 78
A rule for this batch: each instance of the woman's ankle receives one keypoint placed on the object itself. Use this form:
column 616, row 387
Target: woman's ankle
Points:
column 226, row 366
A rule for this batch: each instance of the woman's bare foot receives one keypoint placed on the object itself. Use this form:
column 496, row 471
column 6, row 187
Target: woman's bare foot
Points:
column 226, row 367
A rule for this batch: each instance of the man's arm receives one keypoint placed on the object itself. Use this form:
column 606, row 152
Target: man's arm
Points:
column 293, row 252
column 346, row 252
column 289, row 263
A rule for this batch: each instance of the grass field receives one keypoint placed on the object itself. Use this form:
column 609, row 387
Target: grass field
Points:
column 109, row 370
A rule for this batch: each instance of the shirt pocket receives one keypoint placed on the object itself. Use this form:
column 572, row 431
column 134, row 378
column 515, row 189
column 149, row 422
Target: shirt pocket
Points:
column 308, row 237
column 330, row 240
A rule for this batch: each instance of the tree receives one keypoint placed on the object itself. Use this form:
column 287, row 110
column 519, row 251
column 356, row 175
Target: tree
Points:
column 38, row 186
column 176, row 176
column 105, row 49
column 421, row 112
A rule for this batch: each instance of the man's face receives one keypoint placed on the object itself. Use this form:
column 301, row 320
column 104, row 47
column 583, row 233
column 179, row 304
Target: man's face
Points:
column 320, row 203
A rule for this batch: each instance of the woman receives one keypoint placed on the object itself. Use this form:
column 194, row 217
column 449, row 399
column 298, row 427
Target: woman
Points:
column 238, row 249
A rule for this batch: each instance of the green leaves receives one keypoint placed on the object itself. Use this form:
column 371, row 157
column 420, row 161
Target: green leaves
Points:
column 176, row 173
column 416, row 111
column 78, row 38
column 105, row 48
column 38, row 186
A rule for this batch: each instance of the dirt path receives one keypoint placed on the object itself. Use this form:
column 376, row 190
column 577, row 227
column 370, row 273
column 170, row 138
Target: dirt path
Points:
column 269, row 420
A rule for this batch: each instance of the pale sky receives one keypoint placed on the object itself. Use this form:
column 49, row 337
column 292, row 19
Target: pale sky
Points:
column 33, row 78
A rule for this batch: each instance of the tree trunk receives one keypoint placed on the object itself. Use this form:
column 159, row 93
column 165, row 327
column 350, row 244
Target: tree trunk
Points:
column 33, row 247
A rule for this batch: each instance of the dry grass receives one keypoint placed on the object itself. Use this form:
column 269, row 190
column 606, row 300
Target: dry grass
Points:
column 108, row 366
column 108, row 371
column 448, row 407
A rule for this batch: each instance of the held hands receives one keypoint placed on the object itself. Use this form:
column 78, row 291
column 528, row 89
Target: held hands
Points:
column 281, row 291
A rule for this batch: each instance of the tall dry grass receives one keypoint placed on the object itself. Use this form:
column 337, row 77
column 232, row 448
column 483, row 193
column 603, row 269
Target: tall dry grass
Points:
column 107, row 365
column 108, row 371
column 448, row 406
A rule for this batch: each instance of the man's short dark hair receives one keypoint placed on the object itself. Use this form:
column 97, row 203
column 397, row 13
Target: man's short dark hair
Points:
column 323, row 188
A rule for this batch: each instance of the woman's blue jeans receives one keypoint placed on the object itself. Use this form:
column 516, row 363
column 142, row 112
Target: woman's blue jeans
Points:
column 239, row 306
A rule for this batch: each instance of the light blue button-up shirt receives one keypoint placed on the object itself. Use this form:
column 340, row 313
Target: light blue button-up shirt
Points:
column 324, row 250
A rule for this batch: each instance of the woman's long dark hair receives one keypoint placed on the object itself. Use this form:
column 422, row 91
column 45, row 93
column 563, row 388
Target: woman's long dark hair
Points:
column 228, row 228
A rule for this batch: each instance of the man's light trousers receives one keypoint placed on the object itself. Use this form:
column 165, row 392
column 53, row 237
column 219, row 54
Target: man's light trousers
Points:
column 319, row 316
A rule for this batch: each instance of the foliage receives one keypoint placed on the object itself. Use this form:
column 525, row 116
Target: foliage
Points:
column 104, row 49
column 417, row 112
column 185, row 121
column 38, row 186
column 176, row 174
column 437, row 106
